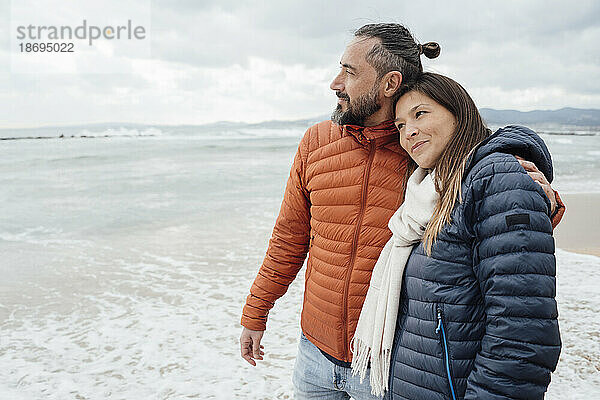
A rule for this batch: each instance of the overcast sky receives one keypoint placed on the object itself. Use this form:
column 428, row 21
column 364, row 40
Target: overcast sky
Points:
column 255, row 61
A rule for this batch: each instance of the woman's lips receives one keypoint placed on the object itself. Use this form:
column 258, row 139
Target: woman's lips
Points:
column 417, row 145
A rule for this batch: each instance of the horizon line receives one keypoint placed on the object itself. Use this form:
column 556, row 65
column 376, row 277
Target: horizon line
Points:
column 297, row 120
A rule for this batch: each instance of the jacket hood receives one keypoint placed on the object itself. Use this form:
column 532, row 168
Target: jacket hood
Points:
column 518, row 141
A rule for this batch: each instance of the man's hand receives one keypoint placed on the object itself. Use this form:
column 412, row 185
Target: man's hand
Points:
column 538, row 177
column 250, row 345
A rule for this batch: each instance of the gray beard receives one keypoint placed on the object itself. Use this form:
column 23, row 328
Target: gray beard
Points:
column 365, row 106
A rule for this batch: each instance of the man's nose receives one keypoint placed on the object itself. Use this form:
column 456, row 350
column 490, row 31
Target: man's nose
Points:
column 337, row 84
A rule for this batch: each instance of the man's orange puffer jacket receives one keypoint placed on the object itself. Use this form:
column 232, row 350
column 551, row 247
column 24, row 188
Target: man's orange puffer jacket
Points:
column 344, row 186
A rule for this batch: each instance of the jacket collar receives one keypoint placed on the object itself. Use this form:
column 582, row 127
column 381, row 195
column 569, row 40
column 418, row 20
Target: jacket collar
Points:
column 381, row 134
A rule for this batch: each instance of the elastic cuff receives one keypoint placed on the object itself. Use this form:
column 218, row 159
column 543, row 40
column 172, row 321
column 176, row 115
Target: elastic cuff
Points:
column 253, row 324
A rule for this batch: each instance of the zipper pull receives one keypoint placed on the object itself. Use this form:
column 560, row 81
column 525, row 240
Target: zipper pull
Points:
column 439, row 326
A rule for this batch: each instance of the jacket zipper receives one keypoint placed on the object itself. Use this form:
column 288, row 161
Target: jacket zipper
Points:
column 361, row 214
column 440, row 327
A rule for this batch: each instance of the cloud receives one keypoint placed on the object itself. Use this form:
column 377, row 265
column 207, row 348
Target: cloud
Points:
column 171, row 93
column 258, row 60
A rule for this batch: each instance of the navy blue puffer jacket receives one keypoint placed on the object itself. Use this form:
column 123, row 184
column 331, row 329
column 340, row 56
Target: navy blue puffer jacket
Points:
column 478, row 319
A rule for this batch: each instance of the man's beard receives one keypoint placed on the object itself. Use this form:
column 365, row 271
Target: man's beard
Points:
column 364, row 106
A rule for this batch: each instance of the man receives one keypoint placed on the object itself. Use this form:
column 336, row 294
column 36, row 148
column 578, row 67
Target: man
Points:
column 345, row 183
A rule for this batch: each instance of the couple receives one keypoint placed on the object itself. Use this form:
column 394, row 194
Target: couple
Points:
column 430, row 270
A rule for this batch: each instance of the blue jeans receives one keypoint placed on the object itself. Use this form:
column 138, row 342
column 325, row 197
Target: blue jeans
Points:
column 315, row 377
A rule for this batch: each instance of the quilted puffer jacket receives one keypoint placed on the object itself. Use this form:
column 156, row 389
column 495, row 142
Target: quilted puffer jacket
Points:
column 478, row 319
column 344, row 186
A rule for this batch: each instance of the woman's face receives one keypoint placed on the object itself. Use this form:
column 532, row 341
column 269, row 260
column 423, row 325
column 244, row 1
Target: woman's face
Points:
column 425, row 128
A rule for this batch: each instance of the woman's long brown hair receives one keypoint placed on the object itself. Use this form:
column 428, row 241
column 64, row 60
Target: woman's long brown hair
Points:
column 449, row 169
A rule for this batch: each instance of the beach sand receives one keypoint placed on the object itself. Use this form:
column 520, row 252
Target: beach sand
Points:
column 579, row 230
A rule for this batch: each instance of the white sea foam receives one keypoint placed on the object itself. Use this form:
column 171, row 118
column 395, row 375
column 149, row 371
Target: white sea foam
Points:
column 42, row 236
column 578, row 372
column 121, row 132
column 166, row 328
column 272, row 133
column 559, row 140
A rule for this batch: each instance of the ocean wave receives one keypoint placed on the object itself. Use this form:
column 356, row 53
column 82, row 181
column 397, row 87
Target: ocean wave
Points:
column 58, row 133
column 570, row 133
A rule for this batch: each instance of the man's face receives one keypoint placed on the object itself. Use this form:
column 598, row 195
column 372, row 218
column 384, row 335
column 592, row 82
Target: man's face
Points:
column 356, row 86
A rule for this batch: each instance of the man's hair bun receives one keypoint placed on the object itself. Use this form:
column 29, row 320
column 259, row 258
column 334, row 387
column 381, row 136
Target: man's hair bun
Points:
column 430, row 49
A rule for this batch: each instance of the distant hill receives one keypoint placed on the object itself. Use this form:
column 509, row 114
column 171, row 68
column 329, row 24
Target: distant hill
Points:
column 564, row 116
column 273, row 124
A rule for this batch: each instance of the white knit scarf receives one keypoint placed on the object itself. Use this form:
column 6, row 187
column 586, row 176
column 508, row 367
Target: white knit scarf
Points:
column 374, row 335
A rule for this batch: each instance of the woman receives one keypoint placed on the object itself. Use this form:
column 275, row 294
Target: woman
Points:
column 477, row 318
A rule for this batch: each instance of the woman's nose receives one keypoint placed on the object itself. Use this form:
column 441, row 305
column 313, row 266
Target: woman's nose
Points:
column 410, row 131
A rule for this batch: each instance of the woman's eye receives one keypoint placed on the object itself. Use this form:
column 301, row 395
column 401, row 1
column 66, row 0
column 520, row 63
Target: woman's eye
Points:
column 399, row 126
column 349, row 72
column 419, row 113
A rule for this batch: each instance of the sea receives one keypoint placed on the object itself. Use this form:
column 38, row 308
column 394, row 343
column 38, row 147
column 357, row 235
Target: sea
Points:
column 127, row 252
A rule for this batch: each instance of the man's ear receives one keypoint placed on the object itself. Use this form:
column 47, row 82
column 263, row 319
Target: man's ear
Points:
column 391, row 83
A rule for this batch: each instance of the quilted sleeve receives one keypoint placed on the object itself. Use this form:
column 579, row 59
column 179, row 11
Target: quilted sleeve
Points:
column 287, row 247
column 513, row 259
column 559, row 212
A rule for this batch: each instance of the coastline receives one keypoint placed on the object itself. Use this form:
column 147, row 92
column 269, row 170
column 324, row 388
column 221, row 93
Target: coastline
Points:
column 579, row 229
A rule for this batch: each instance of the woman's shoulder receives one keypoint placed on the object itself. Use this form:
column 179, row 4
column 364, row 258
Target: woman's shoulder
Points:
column 499, row 179
column 497, row 166
column 496, row 154
column 498, row 186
